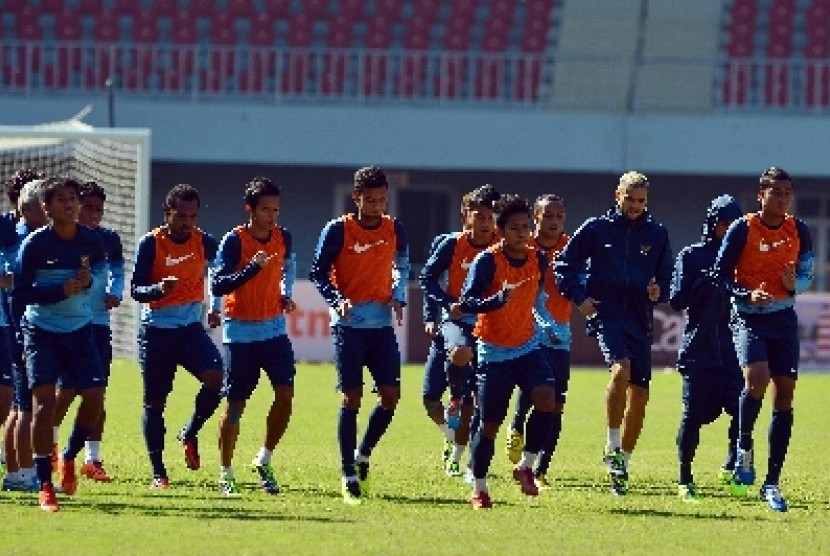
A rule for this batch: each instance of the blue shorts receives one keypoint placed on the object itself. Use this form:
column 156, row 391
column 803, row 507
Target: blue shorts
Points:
column 560, row 363
column 710, row 391
column 435, row 379
column 103, row 343
column 161, row 350
column 6, row 360
column 243, row 362
column 770, row 337
column 376, row 348
column 66, row 358
column 497, row 380
column 616, row 344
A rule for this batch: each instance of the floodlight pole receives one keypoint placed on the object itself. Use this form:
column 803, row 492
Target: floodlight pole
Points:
column 110, row 102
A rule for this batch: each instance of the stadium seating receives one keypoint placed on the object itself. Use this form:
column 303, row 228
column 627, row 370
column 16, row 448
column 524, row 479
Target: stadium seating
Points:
column 454, row 49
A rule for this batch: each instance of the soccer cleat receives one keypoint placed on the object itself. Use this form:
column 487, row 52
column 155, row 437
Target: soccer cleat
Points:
column 69, row 480
column 160, row 483
column 53, row 458
column 453, row 469
column 362, row 468
column 615, row 463
column 266, row 477
column 542, row 482
column 352, row 495
column 771, row 494
column 47, row 499
column 447, row 453
column 453, row 414
column 688, row 493
column 725, row 475
column 95, row 471
column 229, row 488
column 524, row 476
column 744, row 472
column 515, row 445
column 191, row 451
column 12, row 483
column 481, row 501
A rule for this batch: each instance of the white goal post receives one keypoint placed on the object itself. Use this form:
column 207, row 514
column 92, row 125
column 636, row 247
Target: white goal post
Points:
column 118, row 159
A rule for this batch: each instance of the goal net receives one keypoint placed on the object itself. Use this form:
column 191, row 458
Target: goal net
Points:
column 119, row 161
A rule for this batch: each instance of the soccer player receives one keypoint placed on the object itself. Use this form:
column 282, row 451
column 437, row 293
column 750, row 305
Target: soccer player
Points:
column 549, row 239
column 452, row 258
column 104, row 296
column 629, row 265
column 706, row 358
column 766, row 259
column 8, row 238
column 360, row 267
column 55, row 268
column 505, row 287
column 169, row 276
column 21, row 474
column 255, row 271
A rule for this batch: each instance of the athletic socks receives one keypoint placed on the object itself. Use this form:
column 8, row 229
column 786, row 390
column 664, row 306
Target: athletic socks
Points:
column 263, row 457
column 76, row 441
column 780, row 430
column 152, row 423
column 347, row 438
column 93, row 451
column 205, row 404
column 378, row 423
column 613, row 440
column 748, row 409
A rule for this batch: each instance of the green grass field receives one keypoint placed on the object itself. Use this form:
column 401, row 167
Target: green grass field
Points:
column 413, row 507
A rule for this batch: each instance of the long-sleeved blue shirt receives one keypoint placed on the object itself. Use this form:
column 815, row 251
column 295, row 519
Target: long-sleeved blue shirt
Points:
column 114, row 283
column 226, row 278
column 9, row 243
column 363, row 315
column 621, row 257
column 44, row 262
column 144, row 290
column 733, row 245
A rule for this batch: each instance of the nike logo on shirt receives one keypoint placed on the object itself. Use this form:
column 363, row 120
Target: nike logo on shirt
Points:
column 363, row 247
column 512, row 286
column 173, row 261
column 465, row 264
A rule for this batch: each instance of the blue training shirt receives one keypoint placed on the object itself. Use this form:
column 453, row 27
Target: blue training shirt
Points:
column 44, row 262
column 225, row 278
column 114, row 283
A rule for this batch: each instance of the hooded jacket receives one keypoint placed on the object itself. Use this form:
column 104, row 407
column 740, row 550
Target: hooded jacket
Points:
column 621, row 257
column 707, row 338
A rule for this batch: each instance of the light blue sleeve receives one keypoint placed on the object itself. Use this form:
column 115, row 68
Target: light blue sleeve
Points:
column 289, row 275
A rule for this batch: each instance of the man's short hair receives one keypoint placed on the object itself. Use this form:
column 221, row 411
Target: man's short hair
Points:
column 180, row 192
column 772, row 175
column 369, row 177
column 633, row 180
column 260, row 187
column 507, row 206
column 31, row 193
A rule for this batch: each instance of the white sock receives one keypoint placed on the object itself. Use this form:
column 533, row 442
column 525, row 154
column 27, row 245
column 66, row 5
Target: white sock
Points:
column 613, row 441
column 458, row 451
column 527, row 459
column 56, row 435
column 360, row 458
column 480, row 485
column 93, row 451
column 263, row 457
column 226, row 473
column 13, row 476
column 448, row 433
column 626, row 458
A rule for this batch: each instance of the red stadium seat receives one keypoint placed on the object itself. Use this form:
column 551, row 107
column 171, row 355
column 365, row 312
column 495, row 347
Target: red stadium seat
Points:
column 781, row 12
column 428, row 9
column 69, row 57
column 240, row 8
column 452, row 73
column 353, row 9
column 251, row 81
column 539, row 9
column 528, row 79
column 144, row 18
column 296, row 73
column 90, row 7
column 502, row 9
column 538, row 28
column 817, row 85
column 533, row 45
column 390, row 9
column 333, row 76
column 183, row 60
column 489, row 78
column 744, row 11
column 222, row 30
column 126, row 7
column 315, row 9
column 262, row 23
column 146, row 34
column 184, row 29
column 55, row 77
column 105, row 27
column 464, row 9
column 277, row 9
column 457, row 42
column 412, row 76
column 380, row 38
column 737, row 83
column 373, row 77
column 212, row 81
column 497, row 26
column 776, row 84
column 416, row 41
column 203, row 8
column 494, row 43
column 339, row 33
column 165, row 7
column 172, row 81
column 261, row 35
column 68, row 30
